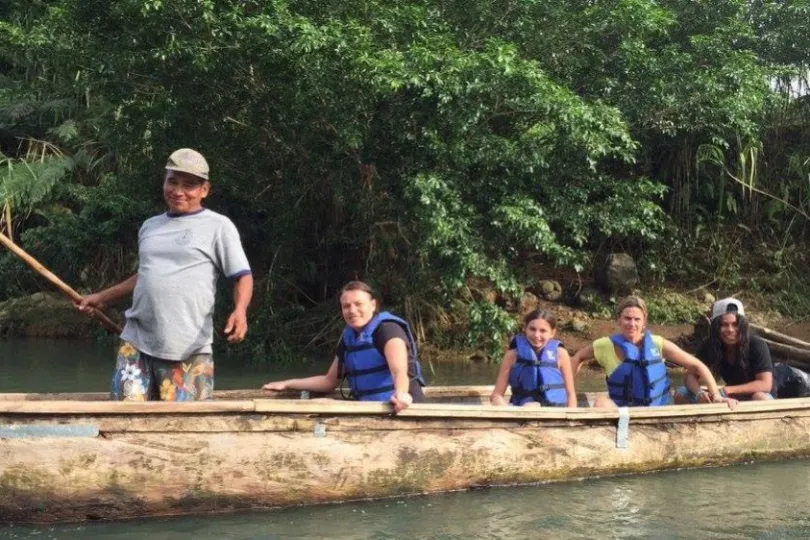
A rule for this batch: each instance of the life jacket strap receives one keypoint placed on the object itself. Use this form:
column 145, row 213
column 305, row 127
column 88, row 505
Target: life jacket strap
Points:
column 646, row 401
column 626, row 389
column 358, row 394
column 367, row 371
column 661, row 393
column 644, row 363
column 539, row 394
column 355, row 348
column 537, row 363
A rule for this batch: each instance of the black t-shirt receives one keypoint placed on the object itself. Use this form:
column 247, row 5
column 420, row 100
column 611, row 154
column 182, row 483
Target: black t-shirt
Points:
column 759, row 361
column 384, row 333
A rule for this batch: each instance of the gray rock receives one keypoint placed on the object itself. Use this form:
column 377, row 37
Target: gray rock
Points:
column 588, row 297
column 618, row 274
column 550, row 289
column 578, row 325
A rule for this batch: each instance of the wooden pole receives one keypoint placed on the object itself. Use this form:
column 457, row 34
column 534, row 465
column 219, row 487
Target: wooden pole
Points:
column 778, row 337
column 788, row 351
column 50, row 276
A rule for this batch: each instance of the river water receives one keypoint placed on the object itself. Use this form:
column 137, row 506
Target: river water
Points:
column 748, row 501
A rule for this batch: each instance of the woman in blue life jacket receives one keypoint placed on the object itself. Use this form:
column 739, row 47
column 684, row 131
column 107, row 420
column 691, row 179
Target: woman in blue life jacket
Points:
column 377, row 355
column 634, row 362
column 536, row 367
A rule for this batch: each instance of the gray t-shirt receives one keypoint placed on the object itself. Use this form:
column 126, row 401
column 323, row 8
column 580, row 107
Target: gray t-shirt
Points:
column 180, row 259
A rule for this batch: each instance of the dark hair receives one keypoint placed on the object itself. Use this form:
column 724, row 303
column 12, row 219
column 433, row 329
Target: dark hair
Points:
column 361, row 286
column 541, row 314
column 714, row 345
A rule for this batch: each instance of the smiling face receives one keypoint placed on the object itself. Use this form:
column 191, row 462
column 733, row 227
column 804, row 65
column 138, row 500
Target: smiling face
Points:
column 729, row 330
column 184, row 192
column 538, row 332
column 358, row 308
column 632, row 324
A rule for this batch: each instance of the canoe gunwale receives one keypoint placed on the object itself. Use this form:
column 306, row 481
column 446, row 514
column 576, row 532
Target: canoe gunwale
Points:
column 444, row 411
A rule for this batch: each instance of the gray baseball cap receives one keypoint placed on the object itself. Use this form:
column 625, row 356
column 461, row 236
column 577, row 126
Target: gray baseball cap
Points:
column 727, row 305
column 188, row 161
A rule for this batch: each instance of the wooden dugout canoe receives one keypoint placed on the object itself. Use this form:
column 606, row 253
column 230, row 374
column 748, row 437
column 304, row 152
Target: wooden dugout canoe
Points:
column 73, row 457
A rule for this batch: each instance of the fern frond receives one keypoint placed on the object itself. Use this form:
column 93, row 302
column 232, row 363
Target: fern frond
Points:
column 24, row 184
column 66, row 132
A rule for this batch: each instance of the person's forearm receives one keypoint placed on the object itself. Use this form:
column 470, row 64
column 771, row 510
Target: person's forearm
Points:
column 119, row 291
column 703, row 373
column 582, row 356
column 576, row 364
column 566, row 369
column 402, row 383
column 242, row 292
column 316, row 383
column 748, row 388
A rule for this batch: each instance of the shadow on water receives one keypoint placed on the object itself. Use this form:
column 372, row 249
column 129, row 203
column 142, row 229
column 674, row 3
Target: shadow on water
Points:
column 750, row 501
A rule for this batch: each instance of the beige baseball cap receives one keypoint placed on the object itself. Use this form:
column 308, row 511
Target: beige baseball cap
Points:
column 188, row 161
column 727, row 305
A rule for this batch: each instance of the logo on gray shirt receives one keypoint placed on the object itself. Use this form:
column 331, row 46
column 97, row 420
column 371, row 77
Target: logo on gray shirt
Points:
column 184, row 238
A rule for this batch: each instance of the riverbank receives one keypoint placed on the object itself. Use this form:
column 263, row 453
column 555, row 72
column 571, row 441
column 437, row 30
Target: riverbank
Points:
column 51, row 316
column 45, row 315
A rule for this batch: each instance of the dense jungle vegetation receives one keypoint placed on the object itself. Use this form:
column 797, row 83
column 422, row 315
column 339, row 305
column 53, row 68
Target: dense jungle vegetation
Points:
column 437, row 148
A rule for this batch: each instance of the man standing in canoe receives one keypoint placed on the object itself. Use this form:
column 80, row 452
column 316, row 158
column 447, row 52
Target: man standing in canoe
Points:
column 166, row 344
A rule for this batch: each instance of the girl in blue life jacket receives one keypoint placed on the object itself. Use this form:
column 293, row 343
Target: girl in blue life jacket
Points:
column 377, row 355
column 634, row 362
column 536, row 367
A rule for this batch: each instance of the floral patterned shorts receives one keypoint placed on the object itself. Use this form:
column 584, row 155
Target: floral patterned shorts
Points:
column 140, row 377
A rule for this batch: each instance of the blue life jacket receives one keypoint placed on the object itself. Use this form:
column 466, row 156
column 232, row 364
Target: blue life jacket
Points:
column 642, row 378
column 366, row 368
column 537, row 379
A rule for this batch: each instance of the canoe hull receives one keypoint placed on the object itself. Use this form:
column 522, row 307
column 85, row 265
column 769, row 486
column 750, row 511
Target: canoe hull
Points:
column 145, row 464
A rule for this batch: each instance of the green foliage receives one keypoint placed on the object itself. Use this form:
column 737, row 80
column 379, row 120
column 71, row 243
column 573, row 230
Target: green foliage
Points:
column 488, row 325
column 419, row 145
column 667, row 307
column 24, row 184
column 598, row 305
